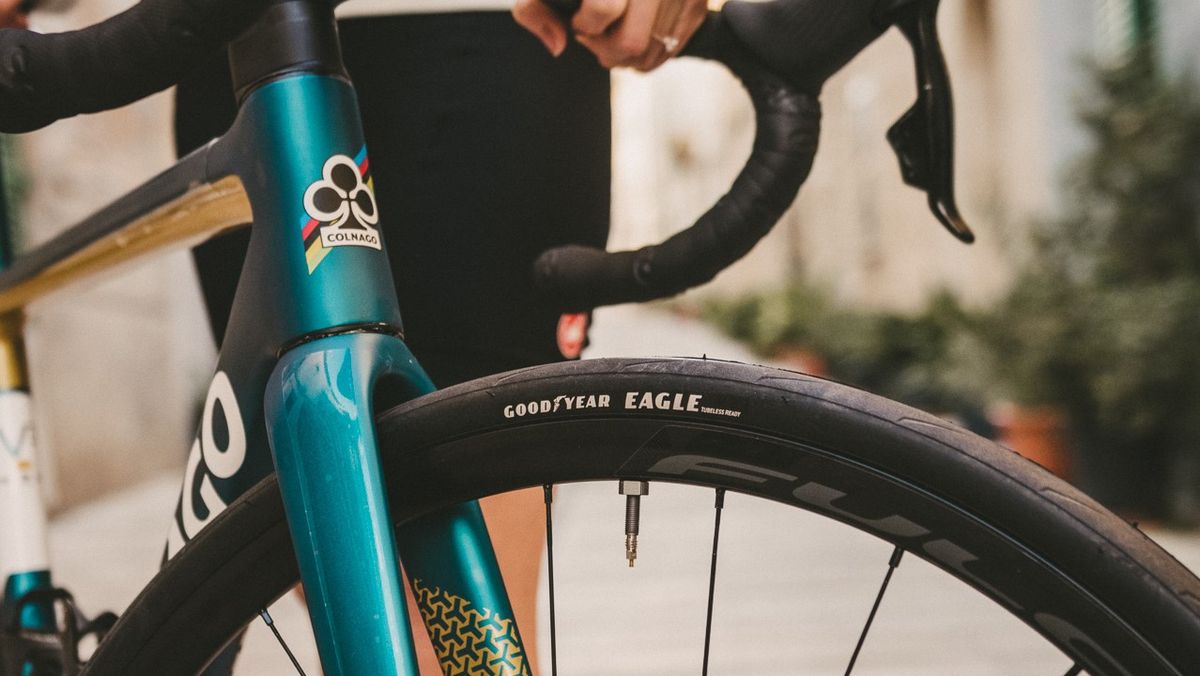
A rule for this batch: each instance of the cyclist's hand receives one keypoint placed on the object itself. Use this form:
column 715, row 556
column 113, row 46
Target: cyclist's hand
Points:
column 11, row 15
column 638, row 34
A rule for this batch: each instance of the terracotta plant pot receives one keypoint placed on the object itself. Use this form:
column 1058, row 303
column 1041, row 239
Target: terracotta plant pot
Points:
column 1037, row 433
column 801, row 359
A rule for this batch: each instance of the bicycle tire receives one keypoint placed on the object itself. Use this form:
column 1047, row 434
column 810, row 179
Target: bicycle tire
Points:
column 1096, row 587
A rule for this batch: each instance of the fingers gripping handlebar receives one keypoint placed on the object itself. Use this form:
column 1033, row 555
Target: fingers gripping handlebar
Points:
column 143, row 50
column 782, row 51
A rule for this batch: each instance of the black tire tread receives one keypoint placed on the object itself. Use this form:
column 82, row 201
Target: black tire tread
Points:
column 1138, row 580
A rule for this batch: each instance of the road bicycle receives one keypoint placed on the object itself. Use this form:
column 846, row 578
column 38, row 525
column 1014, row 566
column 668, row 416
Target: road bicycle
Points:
column 324, row 455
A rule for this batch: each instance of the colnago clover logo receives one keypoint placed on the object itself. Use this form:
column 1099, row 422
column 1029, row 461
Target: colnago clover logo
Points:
column 341, row 209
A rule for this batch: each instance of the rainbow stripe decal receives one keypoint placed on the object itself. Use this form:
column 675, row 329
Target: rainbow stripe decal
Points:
column 310, row 231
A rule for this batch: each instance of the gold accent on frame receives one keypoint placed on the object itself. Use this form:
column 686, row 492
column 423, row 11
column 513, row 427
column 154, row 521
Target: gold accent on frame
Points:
column 13, row 375
column 197, row 214
column 468, row 641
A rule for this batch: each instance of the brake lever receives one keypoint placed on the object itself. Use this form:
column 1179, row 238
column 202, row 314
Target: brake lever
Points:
column 923, row 137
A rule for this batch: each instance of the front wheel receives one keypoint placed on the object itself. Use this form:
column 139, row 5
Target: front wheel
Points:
column 1103, row 593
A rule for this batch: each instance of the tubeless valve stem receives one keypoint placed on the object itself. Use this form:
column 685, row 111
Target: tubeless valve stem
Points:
column 633, row 492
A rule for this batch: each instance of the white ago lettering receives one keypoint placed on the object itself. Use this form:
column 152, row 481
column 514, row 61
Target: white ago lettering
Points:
column 217, row 462
column 223, row 462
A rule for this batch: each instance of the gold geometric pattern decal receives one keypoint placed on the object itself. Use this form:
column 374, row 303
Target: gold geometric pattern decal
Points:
column 470, row 641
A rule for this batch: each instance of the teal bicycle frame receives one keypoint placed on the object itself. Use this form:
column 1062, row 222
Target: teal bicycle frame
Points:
column 315, row 329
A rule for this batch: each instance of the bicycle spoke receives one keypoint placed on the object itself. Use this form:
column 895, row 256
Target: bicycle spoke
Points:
column 1075, row 671
column 549, row 494
column 892, row 564
column 712, row 575
column 266, row 616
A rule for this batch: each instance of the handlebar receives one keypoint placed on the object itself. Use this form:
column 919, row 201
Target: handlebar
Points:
column 782, row 51
column 788, row 124
column 822, row 37
column 143, row 50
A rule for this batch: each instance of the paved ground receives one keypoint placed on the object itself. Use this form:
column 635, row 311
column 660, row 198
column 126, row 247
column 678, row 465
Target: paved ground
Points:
column 793, row 589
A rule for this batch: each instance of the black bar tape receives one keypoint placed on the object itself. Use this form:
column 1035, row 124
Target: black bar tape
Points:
column 782, row 51
column 125, row 58
column 807, row 41
column 788, row 124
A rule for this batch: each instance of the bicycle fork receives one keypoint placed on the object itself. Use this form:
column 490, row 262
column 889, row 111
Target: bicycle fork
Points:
column 323, row 438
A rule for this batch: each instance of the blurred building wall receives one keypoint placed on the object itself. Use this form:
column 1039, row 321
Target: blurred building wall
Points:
column 116, row 365
column 1180, row 29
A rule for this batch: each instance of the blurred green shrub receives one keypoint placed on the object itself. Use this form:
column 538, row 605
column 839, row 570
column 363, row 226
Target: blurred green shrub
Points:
column 934, row 359
column 1104, row 319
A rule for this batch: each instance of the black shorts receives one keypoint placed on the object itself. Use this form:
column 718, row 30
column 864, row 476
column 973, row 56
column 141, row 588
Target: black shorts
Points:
column 485, row 151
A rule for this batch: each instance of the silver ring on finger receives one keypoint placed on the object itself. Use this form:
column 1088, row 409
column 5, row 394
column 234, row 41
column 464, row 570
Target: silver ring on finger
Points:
column 670, row 43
